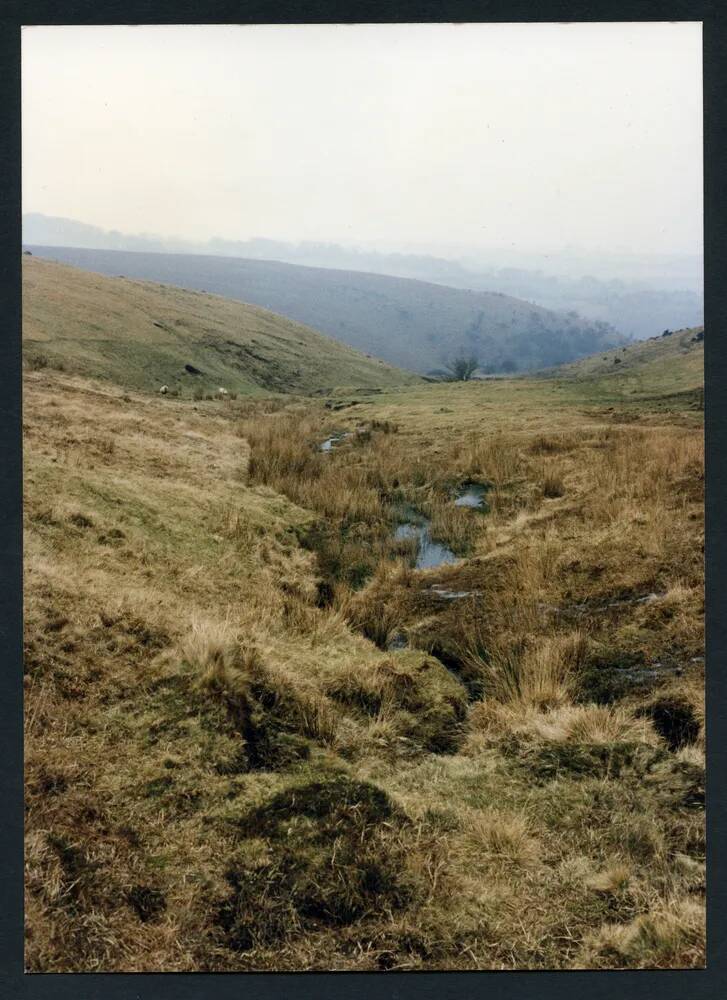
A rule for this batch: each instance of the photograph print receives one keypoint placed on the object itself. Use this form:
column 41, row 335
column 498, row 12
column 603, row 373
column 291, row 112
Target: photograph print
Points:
column 363, row 442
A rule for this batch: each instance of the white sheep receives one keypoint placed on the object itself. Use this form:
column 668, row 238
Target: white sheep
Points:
column 222, row 392
column 164, row 390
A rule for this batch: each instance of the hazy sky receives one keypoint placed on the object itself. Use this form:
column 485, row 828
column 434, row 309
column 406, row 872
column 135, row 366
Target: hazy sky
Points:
column 532, row 136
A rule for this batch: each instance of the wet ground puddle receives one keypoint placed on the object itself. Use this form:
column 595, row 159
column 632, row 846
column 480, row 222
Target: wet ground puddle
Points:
column 430, row 554
column 330, row 443
column 472, row 495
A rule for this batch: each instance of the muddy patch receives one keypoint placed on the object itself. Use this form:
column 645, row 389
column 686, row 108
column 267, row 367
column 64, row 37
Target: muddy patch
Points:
column 609, row 677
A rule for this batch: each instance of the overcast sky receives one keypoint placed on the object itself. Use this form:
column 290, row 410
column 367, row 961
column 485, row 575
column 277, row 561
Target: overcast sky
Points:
column 527, row 136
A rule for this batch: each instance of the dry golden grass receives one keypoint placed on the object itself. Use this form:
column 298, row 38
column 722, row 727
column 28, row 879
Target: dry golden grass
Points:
column 670, row 936
column 213, row 651
column 507, row 838
column 219, row 746
column 613, row 879
column 542, row 675
column 595, row 725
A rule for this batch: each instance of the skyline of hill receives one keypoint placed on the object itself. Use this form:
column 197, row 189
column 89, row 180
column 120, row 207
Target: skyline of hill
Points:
column 415, row 325
column 143, row 335
column 639, row 294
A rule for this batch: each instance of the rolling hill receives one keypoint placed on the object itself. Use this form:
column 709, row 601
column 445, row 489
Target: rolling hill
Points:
column 669, row 365
column 680, row 350
column 413, row 324
column 638, row 294
column 143, row 335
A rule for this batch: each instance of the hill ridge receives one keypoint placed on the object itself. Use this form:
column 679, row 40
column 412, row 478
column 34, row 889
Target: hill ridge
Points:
column 408, row 322
column 143, row 334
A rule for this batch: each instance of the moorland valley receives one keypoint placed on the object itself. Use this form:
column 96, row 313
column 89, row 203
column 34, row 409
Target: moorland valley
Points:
column 345, row 668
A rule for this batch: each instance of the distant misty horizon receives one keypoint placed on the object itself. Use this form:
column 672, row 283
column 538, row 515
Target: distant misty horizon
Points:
column 447, row 250
column 564, row 260
column 639, row 295
column 537, row 140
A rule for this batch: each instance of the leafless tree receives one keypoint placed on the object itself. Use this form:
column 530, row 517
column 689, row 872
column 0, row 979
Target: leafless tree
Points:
column 462, row 369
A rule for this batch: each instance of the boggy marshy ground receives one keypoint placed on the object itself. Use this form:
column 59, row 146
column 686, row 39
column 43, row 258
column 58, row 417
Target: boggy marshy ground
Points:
column 228, row 770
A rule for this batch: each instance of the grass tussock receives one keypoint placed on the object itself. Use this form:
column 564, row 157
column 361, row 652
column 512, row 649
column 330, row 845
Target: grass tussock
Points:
column 506, row 837
column 668, row 937
column 611, row 880
column 213, row 651
column 553, row 485
column 592, row 725
column 543, row 675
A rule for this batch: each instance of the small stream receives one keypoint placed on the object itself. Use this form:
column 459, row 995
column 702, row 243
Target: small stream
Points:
column 430, row 554
column 332, row 441
column 471, row 495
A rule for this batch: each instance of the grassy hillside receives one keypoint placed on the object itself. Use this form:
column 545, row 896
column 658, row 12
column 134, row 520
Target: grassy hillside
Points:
column 259, row 738
column 142, row 335
column 680, row 353
column 414, row 324
column 659, row 367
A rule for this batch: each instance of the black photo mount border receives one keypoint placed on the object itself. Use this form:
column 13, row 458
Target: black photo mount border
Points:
column 594, row 985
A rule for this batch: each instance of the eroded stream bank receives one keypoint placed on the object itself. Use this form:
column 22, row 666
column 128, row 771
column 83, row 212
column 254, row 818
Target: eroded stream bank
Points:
column 405, row 533
column 396, row 533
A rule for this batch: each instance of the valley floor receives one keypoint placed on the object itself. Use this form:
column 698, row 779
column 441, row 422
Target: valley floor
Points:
column 258, row 739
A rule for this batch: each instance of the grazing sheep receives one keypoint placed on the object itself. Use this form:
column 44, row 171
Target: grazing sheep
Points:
column 164, row 390
column 222, row 392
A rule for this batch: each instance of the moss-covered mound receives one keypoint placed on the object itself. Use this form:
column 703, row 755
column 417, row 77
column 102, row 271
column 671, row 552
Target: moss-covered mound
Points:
column 334, row 852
